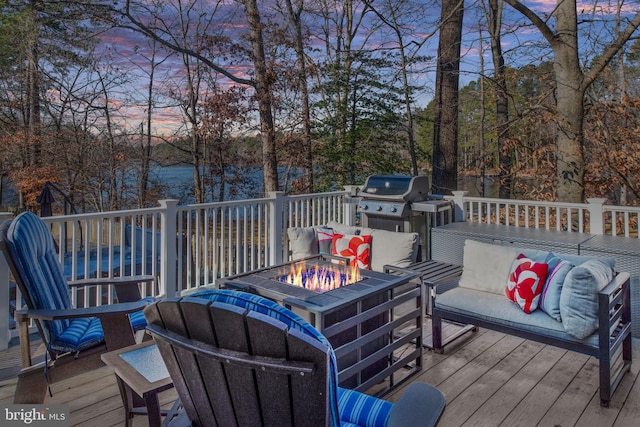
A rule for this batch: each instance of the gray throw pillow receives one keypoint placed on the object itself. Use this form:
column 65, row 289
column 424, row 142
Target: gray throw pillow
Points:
column 303, row 242
column 550, row 299
column 579, row 297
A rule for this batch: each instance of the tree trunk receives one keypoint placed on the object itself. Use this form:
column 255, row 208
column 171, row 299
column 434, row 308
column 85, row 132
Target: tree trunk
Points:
column 445, row 128
column 571, row 84
column 502, row 102
column 298, row 46
column 481, row 159
column 569, row 160
column 263, row 97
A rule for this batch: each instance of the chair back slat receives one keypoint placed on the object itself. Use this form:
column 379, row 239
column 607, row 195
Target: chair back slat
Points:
column 310, row 408
column 190, row 387
column 270, row 339
column 230, row 331
column 258, row 384
column 200, row 327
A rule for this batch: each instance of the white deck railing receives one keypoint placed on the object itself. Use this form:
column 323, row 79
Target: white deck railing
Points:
column 183, row 246
column 190, row 246
column 592, row 217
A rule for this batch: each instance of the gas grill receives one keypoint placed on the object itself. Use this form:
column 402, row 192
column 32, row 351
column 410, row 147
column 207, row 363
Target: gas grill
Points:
column 401, row 203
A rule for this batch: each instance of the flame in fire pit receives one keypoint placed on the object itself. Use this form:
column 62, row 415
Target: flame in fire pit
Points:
column 321, row 278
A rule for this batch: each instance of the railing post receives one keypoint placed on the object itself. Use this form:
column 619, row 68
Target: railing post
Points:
column 596, row 215
column 169, row 248
column 276, row 207
column 5, row 285
column 350, row 204
column 460, row 206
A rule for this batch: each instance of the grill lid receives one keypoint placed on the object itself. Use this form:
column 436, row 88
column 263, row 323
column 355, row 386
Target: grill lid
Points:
column 396, row 187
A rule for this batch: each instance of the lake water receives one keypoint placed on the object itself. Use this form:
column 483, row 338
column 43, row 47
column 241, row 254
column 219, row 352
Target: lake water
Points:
column 178, row 183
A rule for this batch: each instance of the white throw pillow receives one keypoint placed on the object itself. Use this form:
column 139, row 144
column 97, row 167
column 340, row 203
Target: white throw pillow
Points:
column 486, row 267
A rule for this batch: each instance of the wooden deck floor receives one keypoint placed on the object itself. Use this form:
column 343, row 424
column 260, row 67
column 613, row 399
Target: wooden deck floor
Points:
column 488, row 378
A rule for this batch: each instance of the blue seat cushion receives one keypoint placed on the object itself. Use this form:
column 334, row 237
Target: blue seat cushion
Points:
column 359, row 409
column 137, row 319
column 81, row 333
column 34, row 255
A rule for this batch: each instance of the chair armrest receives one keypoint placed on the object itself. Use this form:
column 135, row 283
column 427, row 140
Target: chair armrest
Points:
column 102, row 311
column 147, row 278
column 126, row 287
column 420, row 405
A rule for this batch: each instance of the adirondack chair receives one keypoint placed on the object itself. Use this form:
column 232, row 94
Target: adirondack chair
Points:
column 74, row 338
column 240, row 359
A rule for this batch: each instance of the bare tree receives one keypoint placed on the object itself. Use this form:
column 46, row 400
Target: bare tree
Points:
column 493, row 16
column 135, row 16
column 571, row 84
column 295, row 20
column 445, row 133
column 263, row 83
column 391, row 15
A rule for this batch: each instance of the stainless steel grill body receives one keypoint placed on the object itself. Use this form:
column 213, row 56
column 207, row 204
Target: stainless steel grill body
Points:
column 400, row 203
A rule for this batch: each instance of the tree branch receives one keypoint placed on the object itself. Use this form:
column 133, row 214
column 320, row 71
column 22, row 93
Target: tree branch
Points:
column 140, row 27
column 542, row 26
column 610, row 51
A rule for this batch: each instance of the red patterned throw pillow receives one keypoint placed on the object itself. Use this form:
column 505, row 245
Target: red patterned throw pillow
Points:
column 355, row 248
column 526, row 282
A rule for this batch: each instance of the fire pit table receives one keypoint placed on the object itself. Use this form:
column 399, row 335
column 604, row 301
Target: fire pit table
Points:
column 373, row 320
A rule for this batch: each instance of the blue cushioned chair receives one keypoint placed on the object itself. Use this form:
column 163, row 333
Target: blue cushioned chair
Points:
column 74, row 338
column 240, row 359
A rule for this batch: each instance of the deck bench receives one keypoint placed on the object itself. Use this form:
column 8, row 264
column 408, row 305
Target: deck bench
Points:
column 480, row 299
column 447, row 243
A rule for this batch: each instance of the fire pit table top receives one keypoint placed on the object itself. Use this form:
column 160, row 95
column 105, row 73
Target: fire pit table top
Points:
column 266, row 282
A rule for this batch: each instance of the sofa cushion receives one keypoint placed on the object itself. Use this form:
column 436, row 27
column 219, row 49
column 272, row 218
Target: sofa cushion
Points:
column 526, row 282
column 493, row 308
column 303, row 242
column 355, row 248
column 550, row 299
column 392, row 248
column 486, row 267
column 341, row 228
column 579, row 297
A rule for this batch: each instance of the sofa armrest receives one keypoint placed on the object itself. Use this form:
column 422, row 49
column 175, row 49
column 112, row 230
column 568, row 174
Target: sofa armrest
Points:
column 614, row 334
column 614, row 311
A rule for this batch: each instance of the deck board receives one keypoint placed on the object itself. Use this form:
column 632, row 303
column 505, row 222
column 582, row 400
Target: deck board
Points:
column 477, row 393
column 498, row 407
column 488, row 378
column 546, row 391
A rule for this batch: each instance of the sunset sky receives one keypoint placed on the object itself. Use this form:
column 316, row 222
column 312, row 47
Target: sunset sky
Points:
column 129, row 50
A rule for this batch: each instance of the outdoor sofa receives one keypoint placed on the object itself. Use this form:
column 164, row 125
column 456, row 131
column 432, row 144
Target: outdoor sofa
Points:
column 583, row 305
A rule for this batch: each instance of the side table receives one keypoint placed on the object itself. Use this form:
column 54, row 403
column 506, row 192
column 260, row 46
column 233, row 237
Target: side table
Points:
column 141, row 375
column 438, row 277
